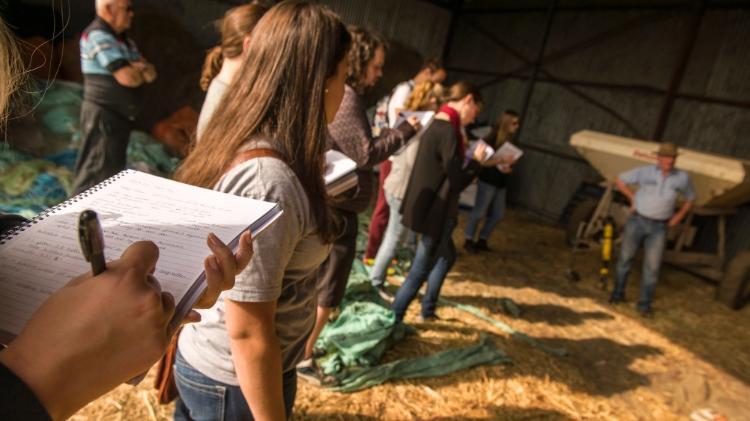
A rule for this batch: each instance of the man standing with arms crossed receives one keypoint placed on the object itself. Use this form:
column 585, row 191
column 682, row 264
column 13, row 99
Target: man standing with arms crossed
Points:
column 653, row 214
column 113, row 73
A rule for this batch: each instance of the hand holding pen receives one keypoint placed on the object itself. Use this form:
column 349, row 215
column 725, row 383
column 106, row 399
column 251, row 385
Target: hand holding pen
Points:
column 91, row 238
column 97, row 332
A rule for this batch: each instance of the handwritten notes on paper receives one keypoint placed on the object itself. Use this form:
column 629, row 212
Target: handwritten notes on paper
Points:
column 132, row 207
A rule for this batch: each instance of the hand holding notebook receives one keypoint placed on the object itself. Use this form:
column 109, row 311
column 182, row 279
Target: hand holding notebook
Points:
column 43, row 255
column 340, row 173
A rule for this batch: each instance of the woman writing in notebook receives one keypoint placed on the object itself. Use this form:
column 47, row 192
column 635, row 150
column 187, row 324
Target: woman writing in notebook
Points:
column 96, row 332
column 351, row 134
column 268, row 143
column 426, row 96
column 430, row 205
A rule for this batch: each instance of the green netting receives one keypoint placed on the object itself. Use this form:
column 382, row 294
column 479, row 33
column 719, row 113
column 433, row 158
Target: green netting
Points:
column 440, row 364
column 366, row 328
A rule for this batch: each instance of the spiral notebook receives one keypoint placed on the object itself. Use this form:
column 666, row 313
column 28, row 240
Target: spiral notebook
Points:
column 41, row 256
column 339, row 176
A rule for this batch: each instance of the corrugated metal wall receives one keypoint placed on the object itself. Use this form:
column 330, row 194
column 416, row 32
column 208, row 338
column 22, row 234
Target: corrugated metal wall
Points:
column 418, row 25
column 719, row 66
column 416, row 30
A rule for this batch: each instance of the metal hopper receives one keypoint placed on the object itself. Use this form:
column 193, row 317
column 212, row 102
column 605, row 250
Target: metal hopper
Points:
column 721, row 183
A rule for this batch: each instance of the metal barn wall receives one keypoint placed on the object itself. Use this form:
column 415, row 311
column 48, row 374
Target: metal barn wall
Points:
column 644, row 55
column 175, row 35
column 415, row 30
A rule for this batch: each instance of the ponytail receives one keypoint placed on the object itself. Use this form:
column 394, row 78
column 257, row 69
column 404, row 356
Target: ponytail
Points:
column 211, row 66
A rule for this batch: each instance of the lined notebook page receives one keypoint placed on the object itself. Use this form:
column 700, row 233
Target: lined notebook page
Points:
column 133, row 206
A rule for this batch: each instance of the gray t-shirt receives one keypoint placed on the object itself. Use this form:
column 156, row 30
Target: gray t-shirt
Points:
column 214, row 94
column 284, row 267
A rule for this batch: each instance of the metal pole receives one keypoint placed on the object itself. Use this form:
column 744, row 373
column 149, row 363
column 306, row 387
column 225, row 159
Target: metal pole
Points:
column 679, row 69
column 537, row 66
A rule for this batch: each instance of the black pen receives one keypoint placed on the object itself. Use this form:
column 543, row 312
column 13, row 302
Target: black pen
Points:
column 91, row 237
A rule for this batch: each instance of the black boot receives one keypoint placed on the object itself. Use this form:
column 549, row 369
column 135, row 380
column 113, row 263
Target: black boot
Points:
column 470, row 247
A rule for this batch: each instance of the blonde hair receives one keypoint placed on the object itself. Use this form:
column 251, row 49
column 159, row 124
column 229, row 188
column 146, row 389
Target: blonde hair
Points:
column 425, row 96
column 11, row 73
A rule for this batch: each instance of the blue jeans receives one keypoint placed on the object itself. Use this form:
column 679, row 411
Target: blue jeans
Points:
column 434, row 258
column 489, row 198
column 393, row 233
column 203, row 398
column 653, row 235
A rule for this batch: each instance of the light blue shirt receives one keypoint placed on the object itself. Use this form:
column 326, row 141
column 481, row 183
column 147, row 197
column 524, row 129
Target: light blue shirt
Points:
column 103, row 52
column 656, row 193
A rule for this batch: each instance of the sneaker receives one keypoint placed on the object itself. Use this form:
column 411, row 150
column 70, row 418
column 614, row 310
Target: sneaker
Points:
column 308, row 371
column 384, row 294
column 470, row 247
column 482, row 245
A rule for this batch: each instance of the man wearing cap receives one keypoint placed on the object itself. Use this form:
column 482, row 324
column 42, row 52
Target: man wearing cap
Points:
column 653, row 213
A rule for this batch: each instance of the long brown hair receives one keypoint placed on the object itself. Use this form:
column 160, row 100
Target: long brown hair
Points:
column 238, row 23
column 500, row 132
column 364, row 45
column 278, row 96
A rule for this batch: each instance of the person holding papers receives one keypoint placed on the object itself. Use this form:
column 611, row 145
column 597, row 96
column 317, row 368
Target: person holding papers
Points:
column 69, row 353
column 350, row 133
column 426, row 97
column 430, row 205
column 491, row 187
column 387, row 115
column 239, row 361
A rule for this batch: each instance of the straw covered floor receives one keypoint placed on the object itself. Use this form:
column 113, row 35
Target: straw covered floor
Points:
column 694, row 354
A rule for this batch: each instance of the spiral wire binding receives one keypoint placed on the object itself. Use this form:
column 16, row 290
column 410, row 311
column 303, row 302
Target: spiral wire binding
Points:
column 13, row 232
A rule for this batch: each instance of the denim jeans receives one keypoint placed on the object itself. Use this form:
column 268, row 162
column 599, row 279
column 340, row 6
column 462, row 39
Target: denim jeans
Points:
column 203, row 398
column 393, row 233
column 434, row 258
column 489, row 198
column 653, row 235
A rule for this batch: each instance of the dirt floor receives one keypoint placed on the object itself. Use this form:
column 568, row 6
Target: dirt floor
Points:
column 693, row 354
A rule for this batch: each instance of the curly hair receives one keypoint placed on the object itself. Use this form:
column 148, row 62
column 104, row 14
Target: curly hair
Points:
column 425, row 96
column 364, row 45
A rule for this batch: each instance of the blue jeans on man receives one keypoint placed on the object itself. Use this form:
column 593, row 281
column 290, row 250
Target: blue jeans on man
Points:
column 653, row 235
column 489, row 203
column 434, row 258
column 203, row 398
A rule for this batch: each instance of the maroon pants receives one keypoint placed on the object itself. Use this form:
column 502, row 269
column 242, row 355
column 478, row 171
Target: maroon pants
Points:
column 379, row 216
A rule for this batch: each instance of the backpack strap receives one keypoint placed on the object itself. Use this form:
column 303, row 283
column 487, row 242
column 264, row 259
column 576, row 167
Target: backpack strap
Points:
column 255, row 153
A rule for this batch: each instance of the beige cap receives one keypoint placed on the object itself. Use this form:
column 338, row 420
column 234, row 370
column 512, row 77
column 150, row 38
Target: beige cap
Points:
column 667, row 149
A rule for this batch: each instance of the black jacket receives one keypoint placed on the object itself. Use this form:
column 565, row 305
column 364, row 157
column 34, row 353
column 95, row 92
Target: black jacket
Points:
column 436, row 181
